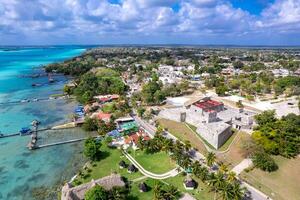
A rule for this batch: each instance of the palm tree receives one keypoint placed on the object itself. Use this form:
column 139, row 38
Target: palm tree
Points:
column 168, row 145
column 216, row 181
column 186, row 161
column 238, row 192
column 204, row 173
column 196, row 166
column 158, row 192
column 223, row 168
column 171, row 193
column 231, row 176
column 187, row 145
column 210, row 158
column 178, row 146
column 226, row 191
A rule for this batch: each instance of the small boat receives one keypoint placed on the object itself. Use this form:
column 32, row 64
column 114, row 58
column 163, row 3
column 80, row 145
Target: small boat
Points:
column 36, row 85
column 25, row 131
column 25, row 100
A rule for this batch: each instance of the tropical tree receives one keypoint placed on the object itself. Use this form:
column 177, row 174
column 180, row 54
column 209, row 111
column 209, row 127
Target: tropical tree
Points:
column 210, row 158
column 231, row 176
column 223, row 168
column 171, row 193
column 92, row 149
column 118, row 193
column 237, row 191
column 158, row 192
column 96, row 193
column 187, row 145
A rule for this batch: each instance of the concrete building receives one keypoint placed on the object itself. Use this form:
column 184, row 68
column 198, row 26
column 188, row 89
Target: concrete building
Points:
column 212, row 119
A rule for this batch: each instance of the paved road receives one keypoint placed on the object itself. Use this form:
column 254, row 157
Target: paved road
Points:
column 255, row 193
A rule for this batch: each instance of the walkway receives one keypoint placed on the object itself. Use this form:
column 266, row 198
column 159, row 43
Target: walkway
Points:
column 166, row 175
column 242, row 165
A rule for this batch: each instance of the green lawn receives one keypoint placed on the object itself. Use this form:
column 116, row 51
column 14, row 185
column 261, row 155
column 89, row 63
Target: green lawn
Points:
column 107, row 165
column 201, row 192
column 281, row 184
column 158, row 163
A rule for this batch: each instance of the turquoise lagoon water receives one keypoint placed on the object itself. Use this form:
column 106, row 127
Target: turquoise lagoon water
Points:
column 25, row 174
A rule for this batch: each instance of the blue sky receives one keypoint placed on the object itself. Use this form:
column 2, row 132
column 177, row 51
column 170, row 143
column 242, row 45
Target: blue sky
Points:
column 238, row 22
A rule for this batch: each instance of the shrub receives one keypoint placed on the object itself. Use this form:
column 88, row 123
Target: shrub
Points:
column 264, row 162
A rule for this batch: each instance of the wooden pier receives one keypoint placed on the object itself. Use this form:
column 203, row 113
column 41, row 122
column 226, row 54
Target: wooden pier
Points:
column 58, row 143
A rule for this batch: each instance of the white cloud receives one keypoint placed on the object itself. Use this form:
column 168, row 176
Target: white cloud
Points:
column 100, row 18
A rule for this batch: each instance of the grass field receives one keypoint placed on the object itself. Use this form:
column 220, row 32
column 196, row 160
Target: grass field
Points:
column 283, row 184
column 201, row 192
column 183, row 133
column 158, row 163
column 235, row 153
column 107, row 165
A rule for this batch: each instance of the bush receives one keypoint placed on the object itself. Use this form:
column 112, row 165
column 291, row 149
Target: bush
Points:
column 96, row 193
column 92, row 149
column 90, row 124
column 264, row 162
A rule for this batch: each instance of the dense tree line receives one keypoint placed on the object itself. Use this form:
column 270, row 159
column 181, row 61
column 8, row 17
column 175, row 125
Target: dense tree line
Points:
column 278, row 136
column 105, row 81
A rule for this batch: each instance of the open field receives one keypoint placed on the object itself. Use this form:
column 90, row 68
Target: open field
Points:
column 282, row 184
column 234, row 155
column 183, row 133
column 158, row 163
column 107, row 165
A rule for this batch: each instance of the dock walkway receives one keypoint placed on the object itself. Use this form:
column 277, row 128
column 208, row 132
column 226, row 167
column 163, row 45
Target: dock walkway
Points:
column 58, row 143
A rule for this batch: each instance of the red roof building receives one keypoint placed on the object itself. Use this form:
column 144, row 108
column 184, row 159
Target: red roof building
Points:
column 104, row 116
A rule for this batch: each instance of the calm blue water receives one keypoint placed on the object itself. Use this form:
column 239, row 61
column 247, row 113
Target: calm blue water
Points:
column 23, row 173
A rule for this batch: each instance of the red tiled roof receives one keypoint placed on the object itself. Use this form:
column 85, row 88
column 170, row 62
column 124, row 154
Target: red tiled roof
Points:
column 104, row 116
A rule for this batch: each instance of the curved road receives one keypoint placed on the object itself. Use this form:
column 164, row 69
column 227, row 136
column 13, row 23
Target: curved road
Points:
column 166, row 175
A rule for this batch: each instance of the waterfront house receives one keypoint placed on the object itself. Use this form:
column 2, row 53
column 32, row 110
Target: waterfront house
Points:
column 77, row 193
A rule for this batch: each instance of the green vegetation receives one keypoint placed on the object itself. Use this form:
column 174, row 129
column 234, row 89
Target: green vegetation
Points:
column 152, row 91
column 107, row 163
column 278, row 136
column 264, row 162
column 150, row 161
column 98, row 193
column 100, row 126
column 105, row 81
column 92, row 149
column 224, row 184
column 90, row 124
